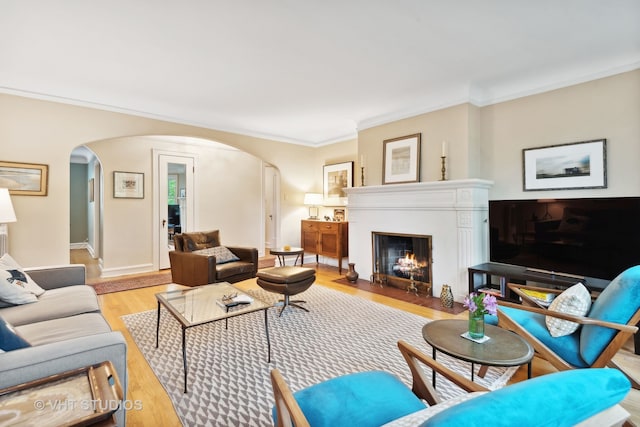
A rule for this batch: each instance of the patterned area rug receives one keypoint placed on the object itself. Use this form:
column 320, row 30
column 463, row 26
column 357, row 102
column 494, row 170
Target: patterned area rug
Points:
column 228, row 371
column 132, row 282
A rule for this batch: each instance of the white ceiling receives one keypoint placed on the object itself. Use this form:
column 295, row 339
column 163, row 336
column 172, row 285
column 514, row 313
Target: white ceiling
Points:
column 307, row 71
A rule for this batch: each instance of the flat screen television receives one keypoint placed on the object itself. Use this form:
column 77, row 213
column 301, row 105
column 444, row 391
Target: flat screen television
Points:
column 592, row 237
column 174, row 214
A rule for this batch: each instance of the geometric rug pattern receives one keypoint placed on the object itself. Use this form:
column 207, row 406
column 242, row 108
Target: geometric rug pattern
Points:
column 229, row 382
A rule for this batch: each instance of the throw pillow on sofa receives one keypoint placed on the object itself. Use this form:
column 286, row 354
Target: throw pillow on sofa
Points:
column 222, row 254
column 16, row 286
column 200, row 240
column 9, row 338
column 575, row 300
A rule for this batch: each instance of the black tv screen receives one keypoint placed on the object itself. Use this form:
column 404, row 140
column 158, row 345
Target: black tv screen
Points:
column 594, row 237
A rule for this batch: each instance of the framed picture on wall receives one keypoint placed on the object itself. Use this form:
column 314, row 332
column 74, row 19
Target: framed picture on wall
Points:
column 401, row 160
column 337, row 177
column 128, row 185
column 565, row 166
column 24, row 179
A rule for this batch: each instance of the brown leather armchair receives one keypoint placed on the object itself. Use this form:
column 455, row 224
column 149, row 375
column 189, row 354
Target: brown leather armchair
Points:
column 200, row 259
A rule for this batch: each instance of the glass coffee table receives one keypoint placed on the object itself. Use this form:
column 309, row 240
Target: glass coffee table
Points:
column 205, row 304
column 504, row 348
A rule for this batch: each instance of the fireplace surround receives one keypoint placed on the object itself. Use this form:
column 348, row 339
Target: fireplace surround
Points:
column 454, row 213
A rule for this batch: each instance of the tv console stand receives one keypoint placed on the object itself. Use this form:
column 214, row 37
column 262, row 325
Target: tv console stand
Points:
column 494, row 277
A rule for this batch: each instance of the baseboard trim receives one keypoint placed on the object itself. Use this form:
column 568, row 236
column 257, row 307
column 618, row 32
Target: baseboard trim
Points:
column 122, row 271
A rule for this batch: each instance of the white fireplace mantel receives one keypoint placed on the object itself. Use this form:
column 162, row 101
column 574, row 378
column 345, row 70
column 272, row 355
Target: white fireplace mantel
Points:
column 454, row 213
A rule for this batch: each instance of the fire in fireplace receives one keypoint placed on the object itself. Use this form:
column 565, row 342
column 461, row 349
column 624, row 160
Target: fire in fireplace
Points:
column 403, row 261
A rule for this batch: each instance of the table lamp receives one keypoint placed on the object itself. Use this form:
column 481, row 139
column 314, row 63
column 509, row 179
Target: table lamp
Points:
column 313, row 200
column 7, row 214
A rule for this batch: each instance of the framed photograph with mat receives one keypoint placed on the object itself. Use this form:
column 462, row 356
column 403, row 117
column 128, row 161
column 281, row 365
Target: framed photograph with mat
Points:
column 128, row 185
column 401, row 160
column 337, row 177
column 566, row 166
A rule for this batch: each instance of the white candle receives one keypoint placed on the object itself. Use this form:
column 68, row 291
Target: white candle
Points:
column 444, row 148
column 362, row 160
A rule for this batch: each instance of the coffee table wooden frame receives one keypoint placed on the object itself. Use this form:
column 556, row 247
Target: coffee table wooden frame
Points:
column 505, row 348
column 210, row 312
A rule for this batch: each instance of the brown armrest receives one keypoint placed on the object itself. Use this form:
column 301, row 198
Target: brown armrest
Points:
column 245, row 253
column 192, row 269
column 578, row 319
column 421, row 384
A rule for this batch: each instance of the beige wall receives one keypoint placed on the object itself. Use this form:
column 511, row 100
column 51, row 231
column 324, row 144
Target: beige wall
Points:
column 46, row 132
column 484, row 142
column 487, row 142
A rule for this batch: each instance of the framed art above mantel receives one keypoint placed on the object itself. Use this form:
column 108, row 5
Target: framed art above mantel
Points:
column 401, row 159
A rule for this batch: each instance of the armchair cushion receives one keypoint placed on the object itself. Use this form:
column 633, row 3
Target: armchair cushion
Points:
column 567, row 347
column 367, row 398
column 563, row 398
column 200, row 240
column 617, row 303
column 574, row 300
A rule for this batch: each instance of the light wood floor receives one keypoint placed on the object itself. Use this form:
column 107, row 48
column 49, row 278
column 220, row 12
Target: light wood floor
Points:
column 157, row 408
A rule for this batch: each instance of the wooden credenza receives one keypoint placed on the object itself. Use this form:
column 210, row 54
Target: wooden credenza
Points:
column 326, row 238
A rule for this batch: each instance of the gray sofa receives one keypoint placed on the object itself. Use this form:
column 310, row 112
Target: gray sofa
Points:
column 65, row 328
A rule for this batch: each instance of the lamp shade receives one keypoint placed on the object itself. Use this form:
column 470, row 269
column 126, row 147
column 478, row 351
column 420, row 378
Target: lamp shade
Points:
column 7, row 214
column 313, row 199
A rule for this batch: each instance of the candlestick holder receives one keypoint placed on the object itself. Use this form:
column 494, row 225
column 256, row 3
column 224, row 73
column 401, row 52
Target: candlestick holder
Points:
column 444, row 169
column 362, row 175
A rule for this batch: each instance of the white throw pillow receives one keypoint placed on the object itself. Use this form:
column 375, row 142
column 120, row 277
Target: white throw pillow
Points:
column 16, row 286
column 575, row 300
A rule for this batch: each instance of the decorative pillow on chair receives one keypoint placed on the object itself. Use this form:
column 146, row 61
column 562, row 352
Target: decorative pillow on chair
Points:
column 575, row 300
column 224, row 255
column 9, row 338
column 16, row 287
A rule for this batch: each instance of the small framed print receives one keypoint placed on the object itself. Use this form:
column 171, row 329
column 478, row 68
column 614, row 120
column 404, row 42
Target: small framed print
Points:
column 128, row 185
column 567, row 166
column 336, row 178
column 401, row 160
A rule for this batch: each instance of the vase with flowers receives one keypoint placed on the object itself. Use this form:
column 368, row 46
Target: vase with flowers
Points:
column 479, row 304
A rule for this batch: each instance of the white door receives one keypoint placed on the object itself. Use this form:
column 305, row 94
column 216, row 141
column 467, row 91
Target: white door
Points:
column 175, row 201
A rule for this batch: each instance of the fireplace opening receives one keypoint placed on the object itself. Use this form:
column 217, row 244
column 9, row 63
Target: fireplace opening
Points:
column 402, row 261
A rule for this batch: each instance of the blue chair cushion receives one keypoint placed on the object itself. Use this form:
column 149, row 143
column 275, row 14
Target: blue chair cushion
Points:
column 617, row 303
column 9, row 339
column 560, row 399
column 567, row 347
column 363, row 399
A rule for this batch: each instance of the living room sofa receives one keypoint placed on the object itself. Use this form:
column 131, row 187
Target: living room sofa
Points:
column 65, row 330
column 199, row 259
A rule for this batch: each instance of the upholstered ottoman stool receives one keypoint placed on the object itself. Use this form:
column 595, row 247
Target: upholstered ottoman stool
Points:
column 287, row 281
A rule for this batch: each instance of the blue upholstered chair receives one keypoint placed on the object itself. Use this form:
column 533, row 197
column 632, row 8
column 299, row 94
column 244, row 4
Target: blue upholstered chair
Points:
column 610, row 322
column 380, row 399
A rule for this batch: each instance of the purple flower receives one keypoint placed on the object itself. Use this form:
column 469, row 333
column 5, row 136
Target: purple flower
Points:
column 481, row 303
column 490, row 304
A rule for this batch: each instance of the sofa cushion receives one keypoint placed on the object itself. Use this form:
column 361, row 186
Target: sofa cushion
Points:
column 617, row 303
column 9, row 338
column 53, row 304
column 56, row 330
column 575, row 300
column 16, row 286
column 528, row 403
column 200, row 240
